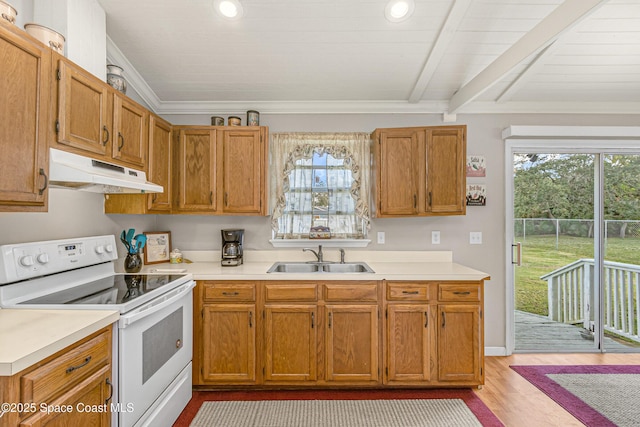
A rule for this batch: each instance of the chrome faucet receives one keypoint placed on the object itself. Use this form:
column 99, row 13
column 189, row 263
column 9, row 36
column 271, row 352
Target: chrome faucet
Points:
column 317, row 254
column 341, row 256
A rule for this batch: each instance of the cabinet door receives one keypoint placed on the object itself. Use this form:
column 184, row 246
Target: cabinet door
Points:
column 446, row 179
column 243, row 169
column 229, row 343
column 159, row 164
column 83, row 120
column 398, row 172
column 352, row 343
column 83, row 399
column 129, row 132
column 196, row 169
column 291, row 343
column 408, row 348
column 25, row 87
column 460, row 344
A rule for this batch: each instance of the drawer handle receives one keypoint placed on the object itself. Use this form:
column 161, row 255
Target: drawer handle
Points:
column 410, row 292
column 230, row 294
column 85, row 363
column 110, row 391
column 461, row 293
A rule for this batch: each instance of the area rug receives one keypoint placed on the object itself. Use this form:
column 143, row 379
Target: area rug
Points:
column 597, row 395
column 337, row 408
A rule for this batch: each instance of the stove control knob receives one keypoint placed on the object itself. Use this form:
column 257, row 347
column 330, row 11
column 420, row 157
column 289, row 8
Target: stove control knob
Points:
column 99, row 249
column 43, row 258
column 108, row 248
column 27, row 261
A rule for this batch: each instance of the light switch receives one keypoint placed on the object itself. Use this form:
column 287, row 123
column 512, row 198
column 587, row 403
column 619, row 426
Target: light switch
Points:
column 381, row 237
column 435, row 237
column 475, row 238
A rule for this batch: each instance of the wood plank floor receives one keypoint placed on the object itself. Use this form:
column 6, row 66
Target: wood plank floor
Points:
column 518, row 403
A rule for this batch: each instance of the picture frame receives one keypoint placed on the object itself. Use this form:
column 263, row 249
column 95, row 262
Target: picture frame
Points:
column 158, row 247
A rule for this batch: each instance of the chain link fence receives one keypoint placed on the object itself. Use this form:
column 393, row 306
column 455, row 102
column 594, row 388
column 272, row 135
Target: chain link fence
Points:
column 524, row 227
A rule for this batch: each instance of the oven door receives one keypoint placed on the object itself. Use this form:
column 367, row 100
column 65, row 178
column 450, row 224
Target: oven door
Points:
column 155, row 346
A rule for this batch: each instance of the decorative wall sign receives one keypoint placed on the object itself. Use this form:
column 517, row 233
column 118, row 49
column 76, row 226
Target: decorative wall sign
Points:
column 158, row 247
column 476, row 166
column 476, row 195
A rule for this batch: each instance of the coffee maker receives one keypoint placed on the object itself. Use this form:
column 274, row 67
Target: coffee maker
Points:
column 232, row 247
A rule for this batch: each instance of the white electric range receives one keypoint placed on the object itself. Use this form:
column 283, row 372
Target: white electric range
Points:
column 153, row 338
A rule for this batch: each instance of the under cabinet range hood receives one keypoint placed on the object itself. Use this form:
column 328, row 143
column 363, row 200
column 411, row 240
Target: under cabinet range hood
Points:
column 68, row 170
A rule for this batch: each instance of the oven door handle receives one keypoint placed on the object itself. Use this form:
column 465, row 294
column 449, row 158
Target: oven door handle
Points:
column 168, row 300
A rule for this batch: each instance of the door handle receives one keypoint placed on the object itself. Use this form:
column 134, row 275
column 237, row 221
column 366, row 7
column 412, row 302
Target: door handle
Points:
column 46, row 181
column 106, row 136
column 518, row 260
column 121, row 139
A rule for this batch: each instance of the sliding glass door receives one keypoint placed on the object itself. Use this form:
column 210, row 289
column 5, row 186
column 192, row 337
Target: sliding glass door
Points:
column 574, row 226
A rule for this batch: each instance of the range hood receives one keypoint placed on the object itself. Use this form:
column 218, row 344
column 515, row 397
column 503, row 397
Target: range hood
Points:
column 68, row 170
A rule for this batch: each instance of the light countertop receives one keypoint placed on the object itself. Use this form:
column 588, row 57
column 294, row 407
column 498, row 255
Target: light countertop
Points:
column 28, row 336
column 386, row 265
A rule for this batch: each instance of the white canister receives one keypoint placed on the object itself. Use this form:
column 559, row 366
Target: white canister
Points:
column 51, row 38
column 8, row 12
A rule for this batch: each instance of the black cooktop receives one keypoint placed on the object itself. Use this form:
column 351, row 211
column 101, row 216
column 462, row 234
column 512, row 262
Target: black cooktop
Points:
column 116, row 289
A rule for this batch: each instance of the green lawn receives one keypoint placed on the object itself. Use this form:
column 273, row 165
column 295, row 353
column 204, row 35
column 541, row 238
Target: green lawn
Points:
column 540, row 256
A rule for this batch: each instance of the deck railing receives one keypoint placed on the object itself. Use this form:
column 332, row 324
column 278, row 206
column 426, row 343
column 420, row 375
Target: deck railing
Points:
column 571, row 291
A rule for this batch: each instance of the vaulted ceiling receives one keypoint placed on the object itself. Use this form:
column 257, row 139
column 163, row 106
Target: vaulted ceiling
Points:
column 317, row 56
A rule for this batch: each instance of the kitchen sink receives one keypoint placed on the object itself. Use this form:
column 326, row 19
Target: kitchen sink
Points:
column 320, row 267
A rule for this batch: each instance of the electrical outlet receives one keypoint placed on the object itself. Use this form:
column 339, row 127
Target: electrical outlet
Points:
column 435, row 237
column 475, row 238
column 381, row 237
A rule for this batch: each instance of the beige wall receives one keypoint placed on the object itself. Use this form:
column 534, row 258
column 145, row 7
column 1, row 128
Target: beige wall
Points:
column 74, row 213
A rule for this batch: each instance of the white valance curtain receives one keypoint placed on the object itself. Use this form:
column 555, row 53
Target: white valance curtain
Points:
column 289, row 148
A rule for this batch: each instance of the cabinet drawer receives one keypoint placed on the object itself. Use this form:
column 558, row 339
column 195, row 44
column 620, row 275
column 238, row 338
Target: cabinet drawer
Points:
column 362, row 291
column 221, row 292
column 293, row 292
column 407, row 291
column 459, row 292
column 66, row 370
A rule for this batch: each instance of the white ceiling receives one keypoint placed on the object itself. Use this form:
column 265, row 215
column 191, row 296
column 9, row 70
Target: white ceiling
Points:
column 455, row 56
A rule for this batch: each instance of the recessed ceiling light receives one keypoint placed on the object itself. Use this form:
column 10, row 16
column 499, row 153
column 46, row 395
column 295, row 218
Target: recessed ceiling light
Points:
column 399, row 10
column 228, row 9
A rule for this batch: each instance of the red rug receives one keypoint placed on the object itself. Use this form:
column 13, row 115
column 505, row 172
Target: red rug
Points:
column 479, row 409
column 538, row 375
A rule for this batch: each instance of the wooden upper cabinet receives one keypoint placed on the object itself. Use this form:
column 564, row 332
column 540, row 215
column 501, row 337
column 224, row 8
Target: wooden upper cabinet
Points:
column 446, row 173
column 398, row 175
column 159, row 172
column 83, row 121
column 244, row 170
column 24, row 87
column 130, row 132
column 419, row 171
column 195, row 168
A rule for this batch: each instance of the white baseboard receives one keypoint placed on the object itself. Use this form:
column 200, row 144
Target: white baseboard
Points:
column 495, row 351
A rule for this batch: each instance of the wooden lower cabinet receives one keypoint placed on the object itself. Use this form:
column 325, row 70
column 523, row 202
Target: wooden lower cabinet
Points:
column 352, row 343
column 77, row 378
column 409, row 338
column 339, row 334
column 291, row 343
column 226, row 348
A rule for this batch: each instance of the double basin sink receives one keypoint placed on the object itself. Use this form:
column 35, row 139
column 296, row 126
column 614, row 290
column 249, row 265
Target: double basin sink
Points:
column 320, row 267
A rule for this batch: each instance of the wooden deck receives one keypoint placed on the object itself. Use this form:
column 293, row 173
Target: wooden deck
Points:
column 539, row 334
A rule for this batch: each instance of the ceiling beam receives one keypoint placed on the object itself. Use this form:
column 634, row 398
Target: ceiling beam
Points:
column 564, row 17
column 536, row 64
column 446, row 34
